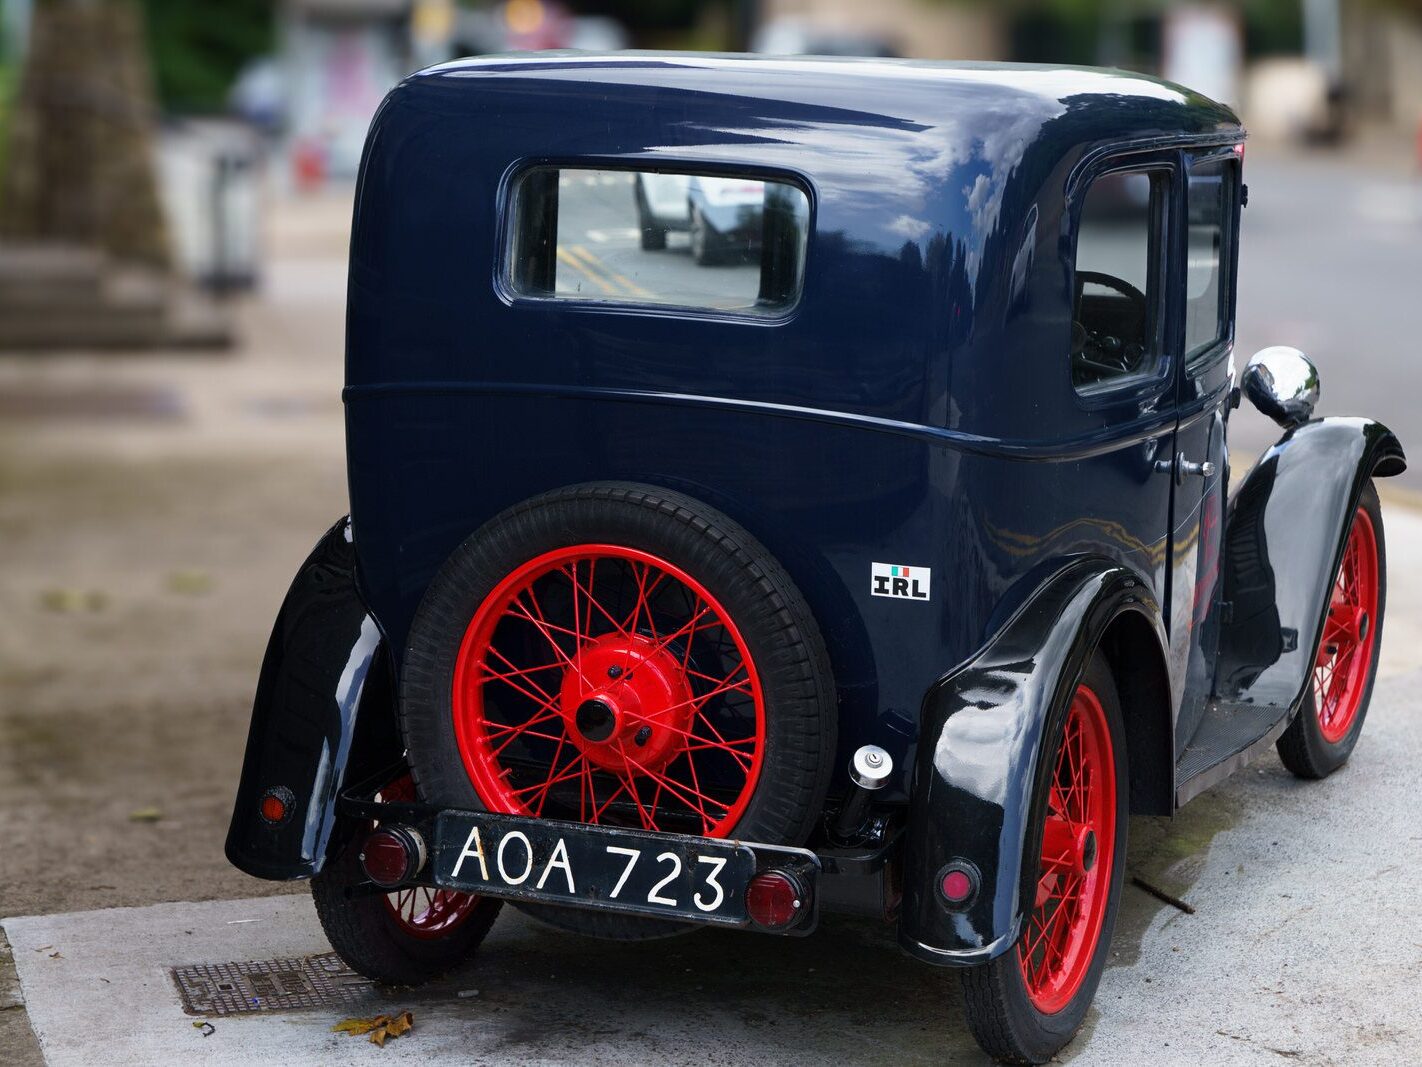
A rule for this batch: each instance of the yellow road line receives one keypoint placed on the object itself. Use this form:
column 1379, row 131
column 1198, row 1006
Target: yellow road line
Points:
column 595, row 265
column 566, row 257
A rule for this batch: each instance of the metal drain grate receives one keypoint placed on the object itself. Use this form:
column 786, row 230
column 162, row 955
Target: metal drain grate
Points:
column 267, row 985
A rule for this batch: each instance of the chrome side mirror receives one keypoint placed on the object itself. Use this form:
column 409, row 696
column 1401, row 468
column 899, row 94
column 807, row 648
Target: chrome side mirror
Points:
column 1283, row 384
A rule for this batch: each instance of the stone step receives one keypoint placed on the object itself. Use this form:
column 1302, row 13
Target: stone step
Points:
column 60, row 298
column 41, row 273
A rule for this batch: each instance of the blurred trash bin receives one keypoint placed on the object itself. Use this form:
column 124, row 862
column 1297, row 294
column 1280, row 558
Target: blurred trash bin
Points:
column 212, row 173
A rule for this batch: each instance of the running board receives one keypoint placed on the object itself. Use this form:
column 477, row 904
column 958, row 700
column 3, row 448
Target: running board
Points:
column 1228, row 737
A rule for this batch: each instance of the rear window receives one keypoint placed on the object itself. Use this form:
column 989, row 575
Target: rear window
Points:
column 716, row 242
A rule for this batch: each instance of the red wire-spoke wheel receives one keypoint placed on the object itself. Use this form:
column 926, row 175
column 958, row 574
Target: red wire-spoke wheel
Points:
column 1324, row 733
column 621, row 655
column 605, row 684
column 1342, row 668
column 1078, row 847
column 1027, row 1003
column 420, row 911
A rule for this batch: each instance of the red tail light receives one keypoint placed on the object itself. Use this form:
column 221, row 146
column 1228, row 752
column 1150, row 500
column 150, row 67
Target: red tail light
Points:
column 392, row 855
column 775, row 899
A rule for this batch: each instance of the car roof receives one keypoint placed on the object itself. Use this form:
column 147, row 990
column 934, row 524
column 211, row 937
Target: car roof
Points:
column 960, row 98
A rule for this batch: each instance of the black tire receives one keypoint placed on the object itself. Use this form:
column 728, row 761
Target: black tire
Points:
column 999, row 1012
column 1302, row 747
column 367, row 936
column 780, row 633
column 652, row 235
column 707, row 246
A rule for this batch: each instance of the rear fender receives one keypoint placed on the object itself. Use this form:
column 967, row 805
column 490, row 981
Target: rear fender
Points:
column 1286, row 530
column 980, row 765
column 323, row 716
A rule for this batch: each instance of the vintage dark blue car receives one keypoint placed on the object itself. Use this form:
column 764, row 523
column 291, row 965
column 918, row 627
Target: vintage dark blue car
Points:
column 883, row 568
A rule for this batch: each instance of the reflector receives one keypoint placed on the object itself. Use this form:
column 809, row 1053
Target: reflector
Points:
column 957, row 886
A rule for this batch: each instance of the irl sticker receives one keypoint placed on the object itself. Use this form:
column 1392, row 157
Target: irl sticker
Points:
column 897, row 580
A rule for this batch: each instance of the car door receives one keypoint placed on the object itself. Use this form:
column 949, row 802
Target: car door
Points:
column 1209, row 202
column 1124, row 355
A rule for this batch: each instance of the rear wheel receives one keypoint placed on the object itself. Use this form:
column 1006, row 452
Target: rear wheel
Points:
column 620, row 655
column 1027, row 1004
column 401, row 938
column 1326, row 729
column 707, row 246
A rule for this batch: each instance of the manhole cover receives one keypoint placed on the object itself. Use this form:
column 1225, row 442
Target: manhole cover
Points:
column 267, row 985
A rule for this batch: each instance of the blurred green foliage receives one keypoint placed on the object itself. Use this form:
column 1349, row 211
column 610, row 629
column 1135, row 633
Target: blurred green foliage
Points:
column 199, row 46
column 9, row 77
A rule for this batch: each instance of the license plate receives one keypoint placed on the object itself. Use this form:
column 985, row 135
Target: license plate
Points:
column 694, row 879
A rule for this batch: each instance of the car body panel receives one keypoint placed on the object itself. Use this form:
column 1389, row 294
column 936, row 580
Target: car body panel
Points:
column 984, row 760
column 1288, row 525
column 321, row 718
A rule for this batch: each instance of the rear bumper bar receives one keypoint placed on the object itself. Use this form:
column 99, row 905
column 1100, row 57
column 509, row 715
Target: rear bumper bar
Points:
column 674, row 877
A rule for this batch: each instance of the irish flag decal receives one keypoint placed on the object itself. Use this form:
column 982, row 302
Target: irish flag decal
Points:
column 900, row 580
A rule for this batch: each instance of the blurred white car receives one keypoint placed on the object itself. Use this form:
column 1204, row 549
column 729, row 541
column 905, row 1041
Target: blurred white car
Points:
column 722, row 215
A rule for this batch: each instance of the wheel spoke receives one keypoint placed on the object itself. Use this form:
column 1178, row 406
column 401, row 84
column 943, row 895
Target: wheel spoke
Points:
column 682, row 792
column 539, row 695
column 591, row 602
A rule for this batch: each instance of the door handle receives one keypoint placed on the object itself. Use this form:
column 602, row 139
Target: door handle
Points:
column 1183, row 468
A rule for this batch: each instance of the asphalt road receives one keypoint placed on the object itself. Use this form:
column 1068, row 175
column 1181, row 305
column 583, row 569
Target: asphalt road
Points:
column 1331, row 262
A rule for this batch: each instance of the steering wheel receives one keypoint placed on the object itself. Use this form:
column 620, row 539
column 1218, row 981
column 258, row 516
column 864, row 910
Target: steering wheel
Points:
column 1104, row 353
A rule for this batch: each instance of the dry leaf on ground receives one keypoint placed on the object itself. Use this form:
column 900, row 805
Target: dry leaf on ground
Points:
column 378, row 1027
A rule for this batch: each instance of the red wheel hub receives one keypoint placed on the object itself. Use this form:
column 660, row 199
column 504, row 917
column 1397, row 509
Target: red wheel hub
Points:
column 602, row 684
column 1078, row 849
column 1345, row 654
column 626, row 703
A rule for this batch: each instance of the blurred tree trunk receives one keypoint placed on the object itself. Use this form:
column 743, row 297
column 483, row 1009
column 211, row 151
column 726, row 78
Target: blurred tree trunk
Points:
column 79, row 169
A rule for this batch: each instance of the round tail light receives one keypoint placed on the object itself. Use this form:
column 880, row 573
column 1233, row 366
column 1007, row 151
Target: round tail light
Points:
column 775, row 899
column 392, row 855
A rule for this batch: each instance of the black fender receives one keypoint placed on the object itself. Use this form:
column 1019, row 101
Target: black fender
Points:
column 323, row 716
column 980, row 766
column 1286, row 529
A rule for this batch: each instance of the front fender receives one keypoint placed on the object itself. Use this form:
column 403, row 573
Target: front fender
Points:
column 980, row 766
column 325, row 664
column 1285, row 534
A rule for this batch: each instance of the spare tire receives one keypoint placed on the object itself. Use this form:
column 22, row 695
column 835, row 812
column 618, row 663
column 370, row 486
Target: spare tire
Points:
column 623, row 655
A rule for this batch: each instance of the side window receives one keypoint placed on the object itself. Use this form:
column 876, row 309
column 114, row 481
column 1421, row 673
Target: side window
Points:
column 715, row 242
column 1210, row 199
column 1117, row 307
